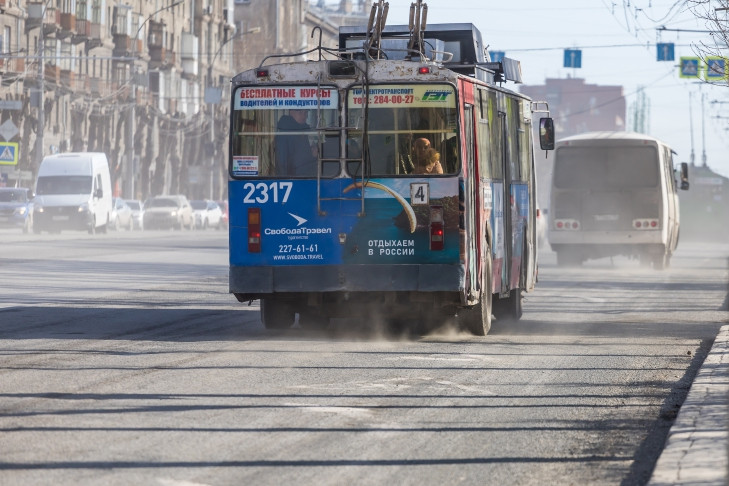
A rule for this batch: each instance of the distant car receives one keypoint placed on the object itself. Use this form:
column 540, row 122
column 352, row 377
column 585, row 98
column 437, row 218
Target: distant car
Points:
column 121, row 215
column 225, row 218
column 541, row 227
column 207, row 213
column 137, row 212
column 16, row 208
column 172, row 212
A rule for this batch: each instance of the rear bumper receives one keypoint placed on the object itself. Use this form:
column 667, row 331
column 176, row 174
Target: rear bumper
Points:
column 254, row 282
column 647, row 237
column 67, row 221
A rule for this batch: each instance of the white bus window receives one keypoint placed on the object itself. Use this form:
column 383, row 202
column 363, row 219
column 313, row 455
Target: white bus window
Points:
column 599, row 168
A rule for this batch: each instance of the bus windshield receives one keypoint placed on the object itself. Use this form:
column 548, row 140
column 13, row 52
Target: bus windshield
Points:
column 411, row 129
column 606, row 168
column 51, row 185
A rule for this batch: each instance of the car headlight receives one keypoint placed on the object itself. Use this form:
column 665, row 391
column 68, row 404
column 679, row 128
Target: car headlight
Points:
column 83, row 208
column 38, row 209
column 21, row 211
column 173, row 213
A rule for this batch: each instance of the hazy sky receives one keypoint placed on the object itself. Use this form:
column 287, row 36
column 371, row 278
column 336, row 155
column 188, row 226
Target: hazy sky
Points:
column 617, row 39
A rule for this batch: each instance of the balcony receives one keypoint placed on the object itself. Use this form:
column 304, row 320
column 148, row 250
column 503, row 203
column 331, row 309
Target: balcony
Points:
column 83, row 31
column 157, row 55
column 11, row 70
column 51, row 74
column 39, row 14
column 12, row 66
column 122, row 45
column 94, row 39
column 68, row 25
column 67, row 78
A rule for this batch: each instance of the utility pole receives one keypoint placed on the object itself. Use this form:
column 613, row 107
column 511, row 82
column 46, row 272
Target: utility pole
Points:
column 691, row 127
column 41, row 87
column 703, row 133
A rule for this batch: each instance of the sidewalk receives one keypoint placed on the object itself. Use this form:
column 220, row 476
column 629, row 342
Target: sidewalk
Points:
column 697, row 447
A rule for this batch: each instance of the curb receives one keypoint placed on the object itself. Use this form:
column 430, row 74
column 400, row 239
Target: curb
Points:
column 697, row 447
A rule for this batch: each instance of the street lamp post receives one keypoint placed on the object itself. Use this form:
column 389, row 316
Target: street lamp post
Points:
column 213, row 98
column 41, row 86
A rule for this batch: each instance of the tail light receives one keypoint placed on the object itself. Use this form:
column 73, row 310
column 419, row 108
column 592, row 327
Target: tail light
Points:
column 436, row 228
column 567, row 224
column 645, row 224
column 254, row 230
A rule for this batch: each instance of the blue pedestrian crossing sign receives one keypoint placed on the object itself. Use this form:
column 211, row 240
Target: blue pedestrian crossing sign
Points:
column 572, row 58
column 689, row 67
column 497, row 56
column 8, row 153
column 664, row 51
column 715, row 69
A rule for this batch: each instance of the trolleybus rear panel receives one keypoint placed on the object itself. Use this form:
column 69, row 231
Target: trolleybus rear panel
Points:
column 410, row 244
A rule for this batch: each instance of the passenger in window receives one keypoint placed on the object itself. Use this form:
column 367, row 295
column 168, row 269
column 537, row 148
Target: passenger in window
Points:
column 429, row 163
column 294, row 154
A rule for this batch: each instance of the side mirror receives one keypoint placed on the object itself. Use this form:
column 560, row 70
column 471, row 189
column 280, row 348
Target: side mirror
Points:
column 99, row 193
column 546, row 134
column 684, row 176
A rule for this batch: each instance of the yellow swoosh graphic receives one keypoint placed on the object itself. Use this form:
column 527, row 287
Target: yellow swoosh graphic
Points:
column 405, row 205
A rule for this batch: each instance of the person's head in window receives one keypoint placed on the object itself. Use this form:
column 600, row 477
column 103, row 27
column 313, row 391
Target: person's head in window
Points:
column 295, row 120
column 299, row 116
column 420, row 147
column 429, row 164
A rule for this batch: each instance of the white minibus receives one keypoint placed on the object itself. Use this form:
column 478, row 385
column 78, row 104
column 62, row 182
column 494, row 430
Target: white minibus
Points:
column 73, row 192
column 614, row 193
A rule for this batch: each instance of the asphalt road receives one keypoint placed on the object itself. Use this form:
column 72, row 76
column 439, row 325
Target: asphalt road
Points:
column 123, row 360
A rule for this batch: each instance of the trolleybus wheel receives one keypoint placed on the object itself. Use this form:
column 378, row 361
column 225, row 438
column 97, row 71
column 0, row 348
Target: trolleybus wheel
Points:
column 276, row 314
column 477, row 319
column 510, row 308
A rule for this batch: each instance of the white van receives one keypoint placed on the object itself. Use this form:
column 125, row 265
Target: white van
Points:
column 73, row 191
column 614, row 193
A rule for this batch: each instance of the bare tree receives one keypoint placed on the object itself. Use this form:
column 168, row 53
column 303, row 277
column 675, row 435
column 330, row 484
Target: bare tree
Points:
column 715, row 13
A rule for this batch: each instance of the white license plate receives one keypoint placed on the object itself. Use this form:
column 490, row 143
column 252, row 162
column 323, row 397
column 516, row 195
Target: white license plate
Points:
column 60, row 218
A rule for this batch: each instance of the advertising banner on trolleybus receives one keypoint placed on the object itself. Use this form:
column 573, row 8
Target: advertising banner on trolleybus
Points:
column 395, row 227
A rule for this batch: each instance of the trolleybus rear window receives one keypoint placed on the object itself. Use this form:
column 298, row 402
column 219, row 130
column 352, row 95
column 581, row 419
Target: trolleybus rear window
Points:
column 411, row 129
column 277, row 130
column 606, row 168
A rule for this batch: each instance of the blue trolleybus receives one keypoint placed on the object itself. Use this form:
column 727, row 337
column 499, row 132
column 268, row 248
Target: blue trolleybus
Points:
column 392, row 178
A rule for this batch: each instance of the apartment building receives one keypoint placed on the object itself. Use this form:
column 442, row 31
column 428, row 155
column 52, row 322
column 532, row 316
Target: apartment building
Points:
column 145, row 81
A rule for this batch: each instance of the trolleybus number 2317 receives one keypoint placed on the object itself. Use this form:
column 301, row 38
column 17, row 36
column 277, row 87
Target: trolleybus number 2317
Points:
column 392, row 182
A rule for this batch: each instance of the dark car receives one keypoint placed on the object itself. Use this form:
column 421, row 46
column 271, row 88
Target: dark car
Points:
column 16, row 208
